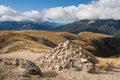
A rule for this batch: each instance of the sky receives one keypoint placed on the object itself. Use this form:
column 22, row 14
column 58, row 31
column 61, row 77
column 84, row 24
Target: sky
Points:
column 27, row 5
column 58, row 10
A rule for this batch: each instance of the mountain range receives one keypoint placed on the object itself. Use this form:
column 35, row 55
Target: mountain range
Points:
column 109, row 26
column 27, row 25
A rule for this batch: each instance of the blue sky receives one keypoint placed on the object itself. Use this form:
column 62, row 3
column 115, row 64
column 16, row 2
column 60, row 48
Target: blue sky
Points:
column 58, row 10
column 27, row 5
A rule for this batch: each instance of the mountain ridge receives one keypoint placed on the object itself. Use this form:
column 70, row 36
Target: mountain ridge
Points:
column 108, row 26
column 27, row 25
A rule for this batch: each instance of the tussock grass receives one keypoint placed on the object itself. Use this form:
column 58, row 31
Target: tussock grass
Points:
column 16, row 48
column 39, row 41
column 108, row 64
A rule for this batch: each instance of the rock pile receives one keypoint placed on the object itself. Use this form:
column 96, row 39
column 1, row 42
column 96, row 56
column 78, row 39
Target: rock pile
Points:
column 69, row 55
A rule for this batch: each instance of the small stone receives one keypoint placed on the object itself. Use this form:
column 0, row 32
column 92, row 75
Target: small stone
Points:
column 53, row 57
column 16, row 62
column 60, row 57
column 80, row 48
column 78, row 65
column 83, row 60
column 58, row 68
column 66, row 65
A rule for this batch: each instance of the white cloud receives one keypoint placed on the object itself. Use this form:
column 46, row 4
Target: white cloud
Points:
column 9, row 14
column 6, row 13
column 97, row 9
column 100, row 9
column 32, row 16
column 6, row 10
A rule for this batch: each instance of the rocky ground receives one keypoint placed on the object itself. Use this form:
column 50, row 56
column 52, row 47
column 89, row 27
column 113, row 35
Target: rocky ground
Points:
column 8, row 72
column 26, row 65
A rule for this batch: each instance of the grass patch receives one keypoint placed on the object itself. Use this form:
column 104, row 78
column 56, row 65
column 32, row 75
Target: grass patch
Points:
column 16, row 48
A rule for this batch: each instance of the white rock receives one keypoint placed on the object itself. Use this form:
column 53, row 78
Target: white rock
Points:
column 83, row 60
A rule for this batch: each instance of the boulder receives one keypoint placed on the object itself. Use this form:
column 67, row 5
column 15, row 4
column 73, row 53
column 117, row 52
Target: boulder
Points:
column 28, row 67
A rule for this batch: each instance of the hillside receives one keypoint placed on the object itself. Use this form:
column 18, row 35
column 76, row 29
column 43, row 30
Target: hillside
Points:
column 43, row 41
column 100, row 44
column 31, row 40
column 109, row 26
column 117, row 34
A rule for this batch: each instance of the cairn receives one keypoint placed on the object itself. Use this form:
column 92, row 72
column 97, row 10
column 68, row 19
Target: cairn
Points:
column 68, row 55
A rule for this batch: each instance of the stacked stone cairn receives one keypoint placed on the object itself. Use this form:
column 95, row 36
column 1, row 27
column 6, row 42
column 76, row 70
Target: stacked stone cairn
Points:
column 68, row 55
